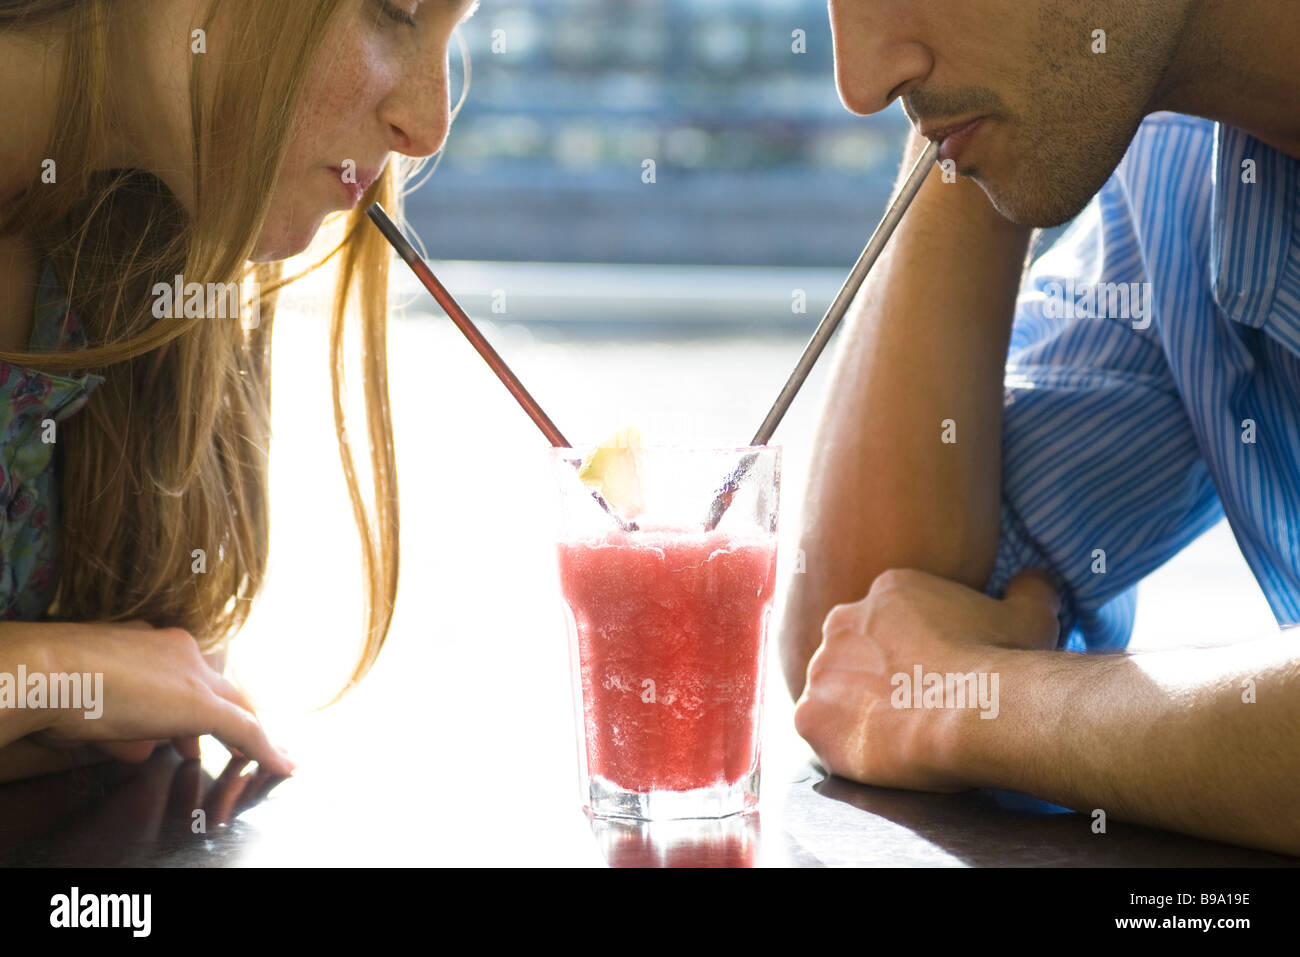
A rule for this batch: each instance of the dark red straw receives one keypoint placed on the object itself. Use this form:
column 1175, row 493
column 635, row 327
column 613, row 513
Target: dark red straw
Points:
column 476, row 339
column 465, row 325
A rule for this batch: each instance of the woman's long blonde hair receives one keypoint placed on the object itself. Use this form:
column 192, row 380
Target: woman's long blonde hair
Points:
column 171, row 453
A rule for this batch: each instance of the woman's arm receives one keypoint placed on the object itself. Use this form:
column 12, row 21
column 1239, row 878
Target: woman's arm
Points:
column 19, row 756
column 925, row 342
column 20, row 650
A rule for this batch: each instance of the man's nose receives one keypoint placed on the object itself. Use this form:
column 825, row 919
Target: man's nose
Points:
column 877, row 57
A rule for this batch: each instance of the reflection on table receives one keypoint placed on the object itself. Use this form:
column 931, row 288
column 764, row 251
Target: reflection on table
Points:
column 171, row 812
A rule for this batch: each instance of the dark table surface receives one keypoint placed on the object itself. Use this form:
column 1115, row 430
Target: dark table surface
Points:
column 147, row 815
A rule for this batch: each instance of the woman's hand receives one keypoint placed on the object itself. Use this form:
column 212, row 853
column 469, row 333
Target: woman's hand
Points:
column 135, row 752
column 156, row 686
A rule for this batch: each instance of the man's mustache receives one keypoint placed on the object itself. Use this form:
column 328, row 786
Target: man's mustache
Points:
column 938, row 106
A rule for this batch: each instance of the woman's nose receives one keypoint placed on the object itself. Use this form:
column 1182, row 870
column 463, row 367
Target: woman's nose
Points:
column 876, row 58
column 417, row 110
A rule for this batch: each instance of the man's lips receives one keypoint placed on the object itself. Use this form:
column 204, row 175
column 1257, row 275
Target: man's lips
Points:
column 953, row 139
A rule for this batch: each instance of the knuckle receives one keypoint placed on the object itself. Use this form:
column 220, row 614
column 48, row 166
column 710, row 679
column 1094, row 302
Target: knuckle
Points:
column 136, row 752
column 892, row 595
column 805, row 720
column 816, row 666
column 196, row 687
column 891, row 581
column 176, row 636
column 838, row 620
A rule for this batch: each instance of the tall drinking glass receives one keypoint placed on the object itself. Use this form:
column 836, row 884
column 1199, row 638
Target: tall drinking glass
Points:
column 668, row 633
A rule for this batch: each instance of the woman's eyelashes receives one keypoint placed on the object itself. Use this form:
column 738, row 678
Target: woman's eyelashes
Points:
column 396, row 14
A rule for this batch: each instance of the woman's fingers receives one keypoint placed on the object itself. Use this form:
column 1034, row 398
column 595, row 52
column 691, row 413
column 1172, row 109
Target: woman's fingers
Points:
column 238, row 728
column 263, row 784
column 236, row 697
column 226, row 790
column 161, row 688
column 133, row 752
column 47, row 740
column 227, row 689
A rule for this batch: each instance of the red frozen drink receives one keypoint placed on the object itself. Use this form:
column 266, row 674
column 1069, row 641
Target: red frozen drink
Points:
column 671, row 634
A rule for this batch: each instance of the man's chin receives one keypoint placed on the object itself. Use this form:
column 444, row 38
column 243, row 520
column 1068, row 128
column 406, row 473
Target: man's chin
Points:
column 1031, row 203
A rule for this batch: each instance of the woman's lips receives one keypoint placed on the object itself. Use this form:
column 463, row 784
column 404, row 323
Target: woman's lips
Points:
column 355, row 185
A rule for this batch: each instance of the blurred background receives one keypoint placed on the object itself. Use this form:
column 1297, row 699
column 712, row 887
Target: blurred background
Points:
column 756, row 161
column 618, row 136
column 671, row 302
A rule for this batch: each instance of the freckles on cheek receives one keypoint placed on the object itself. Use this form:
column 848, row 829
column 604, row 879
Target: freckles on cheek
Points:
column 342, row 92
column 338, row 100
column 346, row 85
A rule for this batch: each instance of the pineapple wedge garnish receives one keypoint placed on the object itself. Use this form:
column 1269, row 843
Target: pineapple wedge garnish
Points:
column 615, row 470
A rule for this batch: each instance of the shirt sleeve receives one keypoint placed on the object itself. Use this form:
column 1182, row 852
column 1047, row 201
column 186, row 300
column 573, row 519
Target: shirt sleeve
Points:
column 1102, row 477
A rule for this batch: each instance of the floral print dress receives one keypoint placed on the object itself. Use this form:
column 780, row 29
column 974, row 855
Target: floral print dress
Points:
column 29, row 526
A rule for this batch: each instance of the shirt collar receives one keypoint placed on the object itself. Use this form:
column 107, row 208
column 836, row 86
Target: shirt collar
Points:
column 1251, row 226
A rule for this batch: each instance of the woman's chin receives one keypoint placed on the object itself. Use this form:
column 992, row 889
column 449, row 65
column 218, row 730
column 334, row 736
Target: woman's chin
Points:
column 280, row 243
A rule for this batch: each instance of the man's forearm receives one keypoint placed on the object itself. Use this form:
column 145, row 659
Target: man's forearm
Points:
column 925, row 342
column 1167, row 738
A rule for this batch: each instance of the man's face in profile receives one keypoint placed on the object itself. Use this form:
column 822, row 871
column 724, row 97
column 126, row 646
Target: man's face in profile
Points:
column 1056, row 113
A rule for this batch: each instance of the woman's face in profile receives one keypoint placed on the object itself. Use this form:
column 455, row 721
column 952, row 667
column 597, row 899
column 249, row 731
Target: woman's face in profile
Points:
column 379, row 87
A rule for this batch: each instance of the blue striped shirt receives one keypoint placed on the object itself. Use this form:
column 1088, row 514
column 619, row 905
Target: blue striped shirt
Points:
column 1153, row 379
